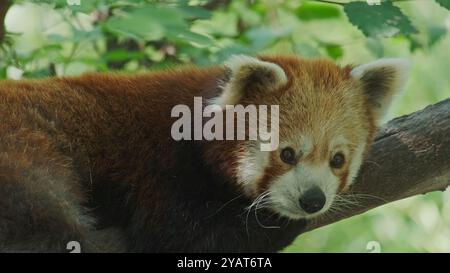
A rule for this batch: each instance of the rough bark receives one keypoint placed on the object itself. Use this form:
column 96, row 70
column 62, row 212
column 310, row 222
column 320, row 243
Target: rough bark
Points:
column 410, row 156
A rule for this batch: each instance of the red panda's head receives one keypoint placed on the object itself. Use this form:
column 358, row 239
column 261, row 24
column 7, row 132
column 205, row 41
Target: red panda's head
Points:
column 327, row 118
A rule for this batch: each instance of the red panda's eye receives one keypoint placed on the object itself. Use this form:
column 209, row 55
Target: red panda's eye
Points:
column 337, row 161
column 287, row 155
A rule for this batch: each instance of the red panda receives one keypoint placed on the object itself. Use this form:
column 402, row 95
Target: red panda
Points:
column 92, row 158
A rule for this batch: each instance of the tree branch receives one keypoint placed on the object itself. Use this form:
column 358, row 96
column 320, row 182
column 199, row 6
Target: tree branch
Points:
column 330, row 2
column 344, row 3
column 214, row 4
column 410, row 156
column 4, row 6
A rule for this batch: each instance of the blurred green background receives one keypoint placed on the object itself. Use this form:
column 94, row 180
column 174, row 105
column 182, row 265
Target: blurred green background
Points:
column 70, row 37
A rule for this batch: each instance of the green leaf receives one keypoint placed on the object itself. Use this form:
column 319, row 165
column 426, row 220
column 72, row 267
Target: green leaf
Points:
column 225, row 53
column 122, row 55
column 77, row 36
column 262, row 37
column 3, row 72
column 41, row 73
column 57, row 38
column 306, row 50
column 194, row 12
column 375, row 46
column 444, row 3
column 221, row 24
column 148, row 23
column 435, row 33
column 335, row 51
column 310, row 11
column 385, row 20
column 44, row 52
column 86, row 36
column 414, row 44
column 83, row 7
column 185, row 35
column 56, row 3
column 134, row 25
column 247, row 14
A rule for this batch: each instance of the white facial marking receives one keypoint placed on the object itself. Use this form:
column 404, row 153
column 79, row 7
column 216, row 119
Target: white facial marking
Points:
column 355, row 163
column 338, row 142
column 287, row 190
column 250, row 168
column 306, row 145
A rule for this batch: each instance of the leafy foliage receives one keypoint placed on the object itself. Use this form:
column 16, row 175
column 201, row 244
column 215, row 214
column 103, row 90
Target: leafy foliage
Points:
column 131, row 35
column 444, row 3
column 380, row 20
column 312, row 10
column 53, row 37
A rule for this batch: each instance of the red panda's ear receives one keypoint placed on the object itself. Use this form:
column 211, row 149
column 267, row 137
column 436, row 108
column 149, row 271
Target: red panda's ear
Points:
column 248, row 74
column 381, row 81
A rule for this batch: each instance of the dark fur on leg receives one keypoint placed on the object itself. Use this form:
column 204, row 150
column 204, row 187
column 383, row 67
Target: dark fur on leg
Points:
column 40, row 205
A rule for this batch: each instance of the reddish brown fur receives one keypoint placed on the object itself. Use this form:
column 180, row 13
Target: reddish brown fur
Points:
column 102, row 142
column 313, row 89
column 98, row 132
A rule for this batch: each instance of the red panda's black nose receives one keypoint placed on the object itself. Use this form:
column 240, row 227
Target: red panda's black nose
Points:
column 312, row 200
